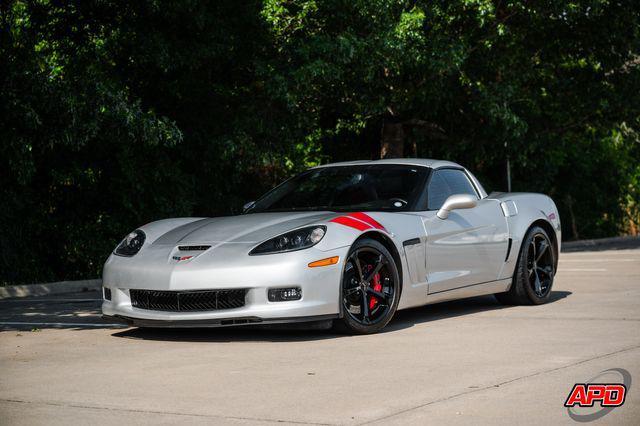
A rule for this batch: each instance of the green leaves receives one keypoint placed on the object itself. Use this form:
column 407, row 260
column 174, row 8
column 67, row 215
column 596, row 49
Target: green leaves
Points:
column 113, row 114
column 534, row 82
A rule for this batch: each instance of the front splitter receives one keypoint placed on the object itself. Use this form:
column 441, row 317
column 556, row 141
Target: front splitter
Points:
column 224, row 322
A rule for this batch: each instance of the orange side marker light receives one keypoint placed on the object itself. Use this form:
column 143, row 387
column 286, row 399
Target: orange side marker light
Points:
column 325, row 262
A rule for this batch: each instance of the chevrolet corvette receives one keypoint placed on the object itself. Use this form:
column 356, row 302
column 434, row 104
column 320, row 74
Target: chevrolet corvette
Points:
column 349, row 243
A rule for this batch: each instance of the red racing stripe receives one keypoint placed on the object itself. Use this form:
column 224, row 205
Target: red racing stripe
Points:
column 353, row 223
column 368, row 219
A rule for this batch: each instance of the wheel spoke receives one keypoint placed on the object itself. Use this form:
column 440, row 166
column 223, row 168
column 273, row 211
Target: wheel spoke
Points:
column 547, row 270
column 538, row 285
column 365, row 307
column 375, row 270
column 358, row 266
column 383, row 297
column 542, row 249
column 533, row 246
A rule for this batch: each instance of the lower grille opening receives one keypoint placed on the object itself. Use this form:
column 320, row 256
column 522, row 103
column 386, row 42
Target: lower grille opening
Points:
column 188, row 301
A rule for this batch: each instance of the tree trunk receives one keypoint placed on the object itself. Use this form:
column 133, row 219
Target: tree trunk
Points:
column 392, row 139
column 572, row 217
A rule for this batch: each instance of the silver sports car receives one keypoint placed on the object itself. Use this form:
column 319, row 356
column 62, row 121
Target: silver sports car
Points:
column 349, row 242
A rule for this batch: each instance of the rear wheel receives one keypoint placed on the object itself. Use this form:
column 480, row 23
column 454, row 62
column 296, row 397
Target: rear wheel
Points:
column 370, row 288
column 534, row 274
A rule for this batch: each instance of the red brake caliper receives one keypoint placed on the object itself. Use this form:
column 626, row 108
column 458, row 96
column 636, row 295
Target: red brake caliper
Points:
column 377, row 286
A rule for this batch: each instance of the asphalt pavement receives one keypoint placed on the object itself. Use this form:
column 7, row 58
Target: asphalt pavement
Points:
column 465, row 362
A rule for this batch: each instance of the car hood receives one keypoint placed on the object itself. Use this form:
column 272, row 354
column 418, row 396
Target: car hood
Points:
column 248, row 228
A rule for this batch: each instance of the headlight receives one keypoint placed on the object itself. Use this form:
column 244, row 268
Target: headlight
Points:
column 295, row 240
column 131, row 244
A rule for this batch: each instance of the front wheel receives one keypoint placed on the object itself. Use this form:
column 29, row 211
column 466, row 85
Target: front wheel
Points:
column 370, row 288
column 534, row 273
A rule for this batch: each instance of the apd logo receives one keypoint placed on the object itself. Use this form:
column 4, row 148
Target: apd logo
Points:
column 595, row 393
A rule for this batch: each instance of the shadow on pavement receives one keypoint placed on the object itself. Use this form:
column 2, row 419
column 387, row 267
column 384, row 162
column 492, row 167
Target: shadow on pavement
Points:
column 77, row 312
column 445, row 310
column 83, row 313
column 403, row 319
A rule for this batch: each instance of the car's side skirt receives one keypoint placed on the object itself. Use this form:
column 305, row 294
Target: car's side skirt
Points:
column 473, row 290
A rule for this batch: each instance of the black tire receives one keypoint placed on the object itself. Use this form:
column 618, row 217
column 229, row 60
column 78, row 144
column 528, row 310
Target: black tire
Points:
column 535, row 271
column 375, row 289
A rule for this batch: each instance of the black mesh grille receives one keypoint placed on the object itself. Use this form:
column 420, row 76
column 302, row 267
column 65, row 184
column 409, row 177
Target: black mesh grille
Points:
column 187, row 301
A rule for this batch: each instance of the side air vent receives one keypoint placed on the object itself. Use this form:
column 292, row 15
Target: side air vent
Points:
column 193, row 248
column 508, row 250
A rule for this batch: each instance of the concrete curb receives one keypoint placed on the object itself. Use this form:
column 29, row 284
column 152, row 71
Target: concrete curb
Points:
column 602, row 244
column 50, row 288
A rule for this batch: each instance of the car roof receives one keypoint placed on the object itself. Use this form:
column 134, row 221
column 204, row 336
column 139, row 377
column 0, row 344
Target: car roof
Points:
column 425, row 162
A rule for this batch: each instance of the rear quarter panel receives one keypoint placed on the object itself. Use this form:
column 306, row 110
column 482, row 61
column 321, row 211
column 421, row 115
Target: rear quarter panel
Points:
column 523, row 210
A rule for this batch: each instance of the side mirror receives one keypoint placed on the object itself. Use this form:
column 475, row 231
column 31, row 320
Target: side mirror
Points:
column 457, row 201
column 248, row 206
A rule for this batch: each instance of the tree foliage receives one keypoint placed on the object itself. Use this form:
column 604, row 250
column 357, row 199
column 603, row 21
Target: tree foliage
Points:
column 550, row 85
column 114, row 114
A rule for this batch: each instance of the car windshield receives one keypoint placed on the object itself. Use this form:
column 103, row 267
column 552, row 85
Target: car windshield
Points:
column 347, row 188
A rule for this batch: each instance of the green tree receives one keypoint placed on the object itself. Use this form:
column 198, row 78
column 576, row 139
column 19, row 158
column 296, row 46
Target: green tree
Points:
column 542, row 83
column 114, row 114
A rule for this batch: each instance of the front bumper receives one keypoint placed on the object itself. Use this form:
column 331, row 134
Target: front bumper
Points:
column 227, row 268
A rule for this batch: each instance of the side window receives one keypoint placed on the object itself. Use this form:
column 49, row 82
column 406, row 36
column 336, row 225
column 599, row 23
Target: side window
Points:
column 458, row 182
column 438, row 191
column 446, row 182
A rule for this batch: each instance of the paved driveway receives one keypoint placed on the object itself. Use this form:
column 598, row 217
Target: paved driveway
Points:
column 470, row 361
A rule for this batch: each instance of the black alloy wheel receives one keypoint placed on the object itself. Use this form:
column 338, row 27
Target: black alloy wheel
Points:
column 540, row 265
column 370, row 288
column 534, row 272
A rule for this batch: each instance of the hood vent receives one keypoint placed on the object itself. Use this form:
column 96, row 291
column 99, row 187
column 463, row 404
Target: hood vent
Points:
column 193, row 248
